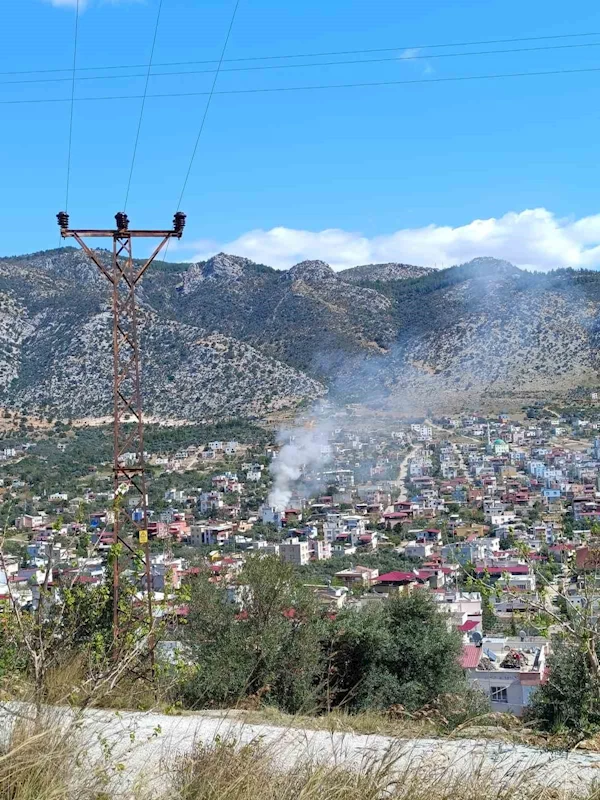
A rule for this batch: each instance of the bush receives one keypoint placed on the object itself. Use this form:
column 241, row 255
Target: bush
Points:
column 266, row 648
column 277, row 647
column 569, row 698
column 401, row 653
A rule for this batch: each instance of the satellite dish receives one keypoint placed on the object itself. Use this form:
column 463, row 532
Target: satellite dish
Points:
column 522, row 635
column 476, row 638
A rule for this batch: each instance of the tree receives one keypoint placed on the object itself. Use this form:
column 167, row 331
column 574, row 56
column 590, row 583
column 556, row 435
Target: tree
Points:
column 267, row 644
column 569, row 698
column 70, row 625
column 399, row 653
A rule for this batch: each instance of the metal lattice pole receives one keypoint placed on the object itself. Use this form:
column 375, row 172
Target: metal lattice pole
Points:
column 129, row 468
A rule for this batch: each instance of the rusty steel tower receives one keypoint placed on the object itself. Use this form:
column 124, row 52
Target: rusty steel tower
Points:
column 129, row 468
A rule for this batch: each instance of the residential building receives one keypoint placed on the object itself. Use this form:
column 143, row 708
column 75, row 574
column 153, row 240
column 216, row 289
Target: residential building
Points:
column 294, row 551
column 506, row 670
column 358, row 576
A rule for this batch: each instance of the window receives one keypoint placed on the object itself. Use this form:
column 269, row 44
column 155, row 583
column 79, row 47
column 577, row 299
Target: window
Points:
column 499, row 694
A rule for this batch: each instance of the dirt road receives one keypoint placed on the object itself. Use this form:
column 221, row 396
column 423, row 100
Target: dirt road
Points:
column 145, row 744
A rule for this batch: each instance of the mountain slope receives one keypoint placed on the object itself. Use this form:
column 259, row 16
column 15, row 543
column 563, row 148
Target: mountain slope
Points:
column 488, row 333
column 228, row 336
column 55, row 349
column 187, row 373
column 383, row 272
column 295, row 316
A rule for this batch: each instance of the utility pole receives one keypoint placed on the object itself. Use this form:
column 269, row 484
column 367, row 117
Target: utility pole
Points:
column 129, row 468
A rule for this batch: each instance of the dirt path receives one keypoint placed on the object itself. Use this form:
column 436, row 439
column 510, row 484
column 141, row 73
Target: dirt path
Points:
column 146, row 744
column 402, row 475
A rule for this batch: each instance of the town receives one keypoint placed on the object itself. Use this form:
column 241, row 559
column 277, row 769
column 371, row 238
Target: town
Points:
column 496, row 517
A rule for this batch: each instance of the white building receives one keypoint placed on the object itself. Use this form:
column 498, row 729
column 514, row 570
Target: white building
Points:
column 174, row 496
column 418, row 549
column 424, row 433
column 521, row 583
column 506, row 670
column 213, row 534
column 210, row 501
column 28, row 521
column 293, row 551
column 340, row 526
column 319, row 549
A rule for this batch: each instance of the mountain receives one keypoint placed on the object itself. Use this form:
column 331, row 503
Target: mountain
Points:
column 488, row 334
column 296, row 316
column 383, row 272
column 55, row 348
column 228, row 336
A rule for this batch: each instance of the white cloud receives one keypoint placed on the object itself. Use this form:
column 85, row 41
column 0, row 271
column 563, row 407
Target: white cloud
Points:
column 68, row 3
column 411, row 52
column 83, row 4
column 532, row 239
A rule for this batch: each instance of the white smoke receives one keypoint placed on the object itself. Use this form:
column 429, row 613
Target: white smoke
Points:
column 304, row 448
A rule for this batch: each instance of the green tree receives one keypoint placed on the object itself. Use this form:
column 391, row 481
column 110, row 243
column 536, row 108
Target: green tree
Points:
column 267, row 644
column 569, row 698
column 401, row 652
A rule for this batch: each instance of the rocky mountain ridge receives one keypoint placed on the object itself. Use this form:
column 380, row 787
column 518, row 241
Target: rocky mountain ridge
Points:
column 383, row 272
column 231, row 337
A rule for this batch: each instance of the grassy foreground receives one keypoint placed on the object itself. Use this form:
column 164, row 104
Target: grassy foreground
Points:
column 224, row 771
column 41, row 761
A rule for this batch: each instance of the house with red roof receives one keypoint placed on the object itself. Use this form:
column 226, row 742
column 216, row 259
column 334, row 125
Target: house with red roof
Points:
column 507, row 670
column 398, row 581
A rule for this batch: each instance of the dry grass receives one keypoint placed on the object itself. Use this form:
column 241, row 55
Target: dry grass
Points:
column 224, row 771
column 367, row 722
column 39, row 762
column 505, row 727
column 70, row 682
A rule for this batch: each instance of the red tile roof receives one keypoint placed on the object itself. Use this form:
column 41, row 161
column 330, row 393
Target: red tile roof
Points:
column 397, row 577
column 471, row 654
column 469, row 625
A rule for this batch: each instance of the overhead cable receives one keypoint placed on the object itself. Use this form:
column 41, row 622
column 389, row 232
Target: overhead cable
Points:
column 314, row 55
column 207, row 106
column 141, row 117
column 149, row 74
column 329, row 86
column 70, row 145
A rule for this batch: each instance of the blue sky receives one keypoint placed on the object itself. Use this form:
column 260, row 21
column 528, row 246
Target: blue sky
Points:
column 350, row 175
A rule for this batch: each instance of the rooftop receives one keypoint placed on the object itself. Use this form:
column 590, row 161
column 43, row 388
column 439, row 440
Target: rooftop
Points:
column 471, row 655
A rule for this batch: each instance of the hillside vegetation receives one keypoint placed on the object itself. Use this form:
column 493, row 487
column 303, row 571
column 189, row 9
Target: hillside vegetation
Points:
column 231, row 337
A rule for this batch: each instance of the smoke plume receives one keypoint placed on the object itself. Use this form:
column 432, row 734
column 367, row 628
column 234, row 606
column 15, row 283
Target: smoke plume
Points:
column 304, row 448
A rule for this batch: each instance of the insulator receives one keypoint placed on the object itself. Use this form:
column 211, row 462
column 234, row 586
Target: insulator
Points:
column 179, row 222
column 122, row 221
column 63, row 219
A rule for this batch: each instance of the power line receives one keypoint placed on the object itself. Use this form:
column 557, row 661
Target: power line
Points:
column 139, row 127
column 208, row 102
column 149, row 74
column 313, row 55
column 275, row 90
column 72, row 106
